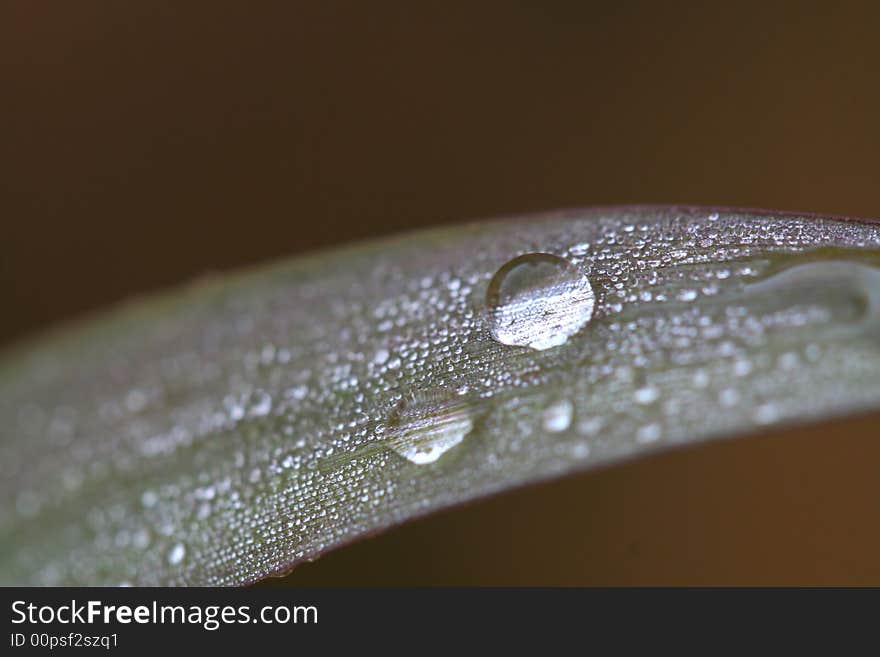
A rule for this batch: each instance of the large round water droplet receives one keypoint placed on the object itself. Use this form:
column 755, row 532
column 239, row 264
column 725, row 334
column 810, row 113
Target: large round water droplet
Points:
column 538, row 300
column 428, row 425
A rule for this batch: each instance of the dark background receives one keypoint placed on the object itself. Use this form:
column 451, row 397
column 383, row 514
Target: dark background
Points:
column 146, row 143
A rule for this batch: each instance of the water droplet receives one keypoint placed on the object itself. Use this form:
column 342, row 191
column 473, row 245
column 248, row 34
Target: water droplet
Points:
column 538, row 300
column 557, row 417
column 149, row 499
column 176, row 554
column 849, row 292
column 136, row 400
column 234, row 407
column 381, row 356
column 580, row 450
column 261, row 404
column 428, row 425
column 646, row 395
column 298, row 392
column 206, row 494
column 766, row 413
column 141, row 539
column 728, row 397
column 590, row 426
column 648, row 433
column 701, row 379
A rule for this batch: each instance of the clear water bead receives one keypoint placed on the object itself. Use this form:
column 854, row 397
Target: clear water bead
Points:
column 538, row 300
column 848, row 291
column 177, row 553
column 557, row 416
column 428, row 425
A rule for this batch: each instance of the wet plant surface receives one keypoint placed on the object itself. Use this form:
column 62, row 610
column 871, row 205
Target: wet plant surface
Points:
column 231, row 430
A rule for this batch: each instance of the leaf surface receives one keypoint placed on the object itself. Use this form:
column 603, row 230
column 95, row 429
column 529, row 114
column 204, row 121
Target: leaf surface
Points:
column 227, row 431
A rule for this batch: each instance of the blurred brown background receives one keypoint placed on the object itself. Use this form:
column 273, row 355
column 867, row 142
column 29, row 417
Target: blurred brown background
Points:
column 146, row 143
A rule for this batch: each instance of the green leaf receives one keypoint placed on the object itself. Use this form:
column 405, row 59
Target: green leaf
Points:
column 235, row 428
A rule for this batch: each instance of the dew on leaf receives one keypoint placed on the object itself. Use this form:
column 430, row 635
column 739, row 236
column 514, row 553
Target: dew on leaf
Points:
column 849, row 292
column 176, row 554
column 557, row 416
column 646, row 395
column 589, row 426
column 538, row 300
column 648, row 433
column 215, row 447
column 429, row 424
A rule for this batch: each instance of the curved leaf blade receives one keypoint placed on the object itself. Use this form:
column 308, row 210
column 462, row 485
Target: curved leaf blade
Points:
column 231, row 430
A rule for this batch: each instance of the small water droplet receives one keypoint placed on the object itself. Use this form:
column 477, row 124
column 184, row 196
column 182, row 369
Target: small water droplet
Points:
column 788, row 361
column 580, row 249
column 261, row 404
column 298, row 392
column 428, row 425
column 580, row 450
column 728, row 397
column 176, row 554
column 206, row 494
column 149, row 499
column 766, row 413
column 538, row 300
column 648, row 433
column 136, row 400
column 141, row 539
column 590, row 426
column 646, row 395
column 234, row 407
column 557, row 416
column 381, row 356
